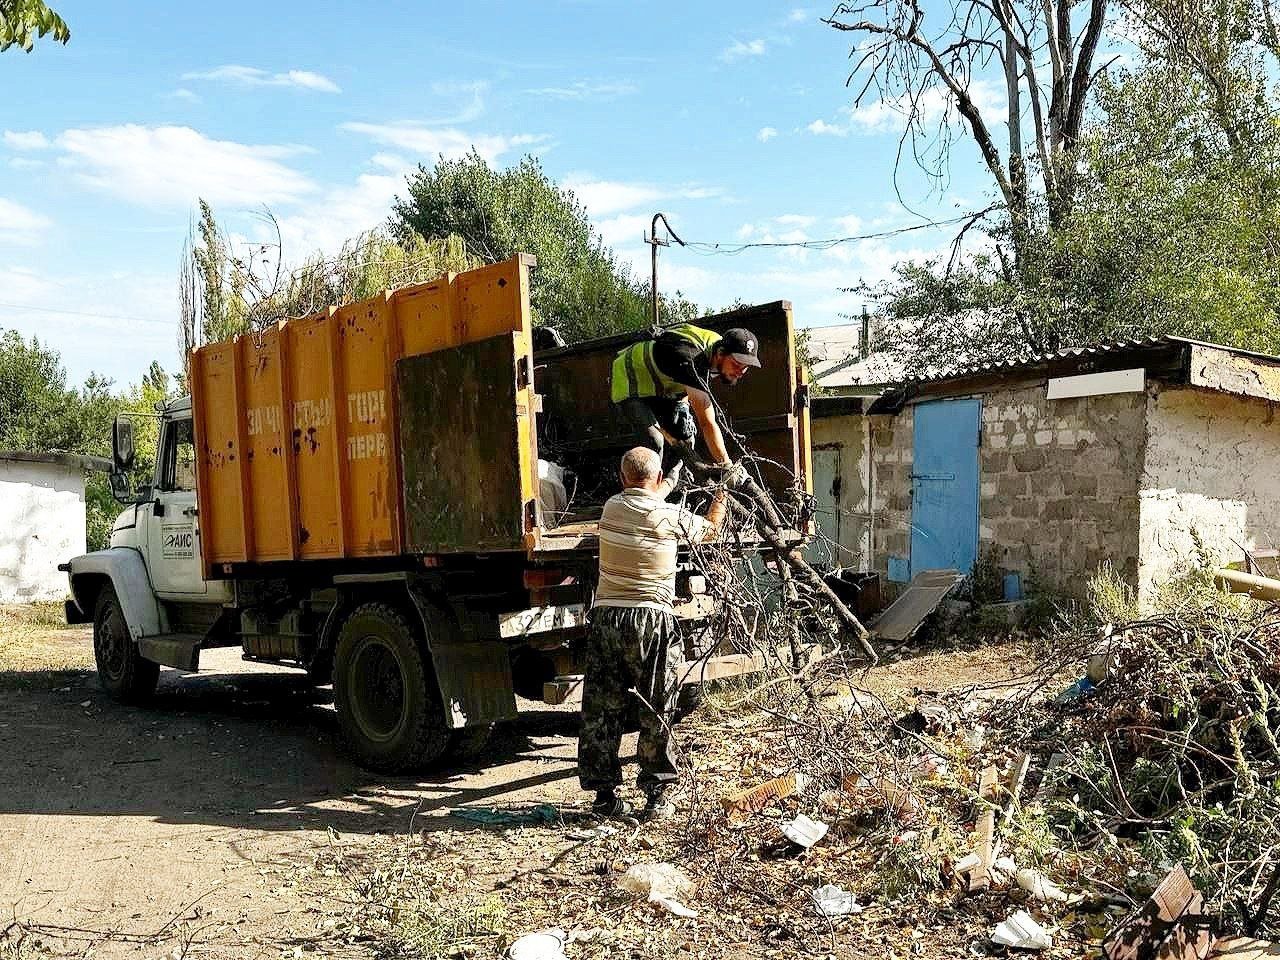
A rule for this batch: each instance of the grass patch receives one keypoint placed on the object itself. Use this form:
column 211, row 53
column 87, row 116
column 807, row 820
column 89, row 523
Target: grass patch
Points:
column 38, row 649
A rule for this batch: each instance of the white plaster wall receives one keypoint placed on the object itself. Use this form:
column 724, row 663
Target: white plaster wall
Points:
column 42, row 524
column 1210, row 481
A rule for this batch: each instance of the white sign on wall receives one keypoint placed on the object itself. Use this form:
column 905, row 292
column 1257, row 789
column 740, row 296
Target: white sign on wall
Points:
column 1096, row 384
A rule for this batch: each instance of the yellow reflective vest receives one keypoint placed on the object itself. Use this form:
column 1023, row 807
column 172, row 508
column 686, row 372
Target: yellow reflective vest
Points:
column 636, row 375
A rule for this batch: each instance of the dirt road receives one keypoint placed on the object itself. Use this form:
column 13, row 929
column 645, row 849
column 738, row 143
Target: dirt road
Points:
column 176, row 826
column 192, row 827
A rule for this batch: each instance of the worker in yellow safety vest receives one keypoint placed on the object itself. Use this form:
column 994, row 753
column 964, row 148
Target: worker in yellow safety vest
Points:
column 663, row 386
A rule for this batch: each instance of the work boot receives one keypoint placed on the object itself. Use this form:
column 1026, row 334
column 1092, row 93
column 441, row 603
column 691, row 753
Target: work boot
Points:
column 658, row 807
column 611, row 806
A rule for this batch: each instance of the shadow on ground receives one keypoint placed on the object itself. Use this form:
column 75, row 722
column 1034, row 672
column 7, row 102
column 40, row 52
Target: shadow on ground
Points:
column 255, row 750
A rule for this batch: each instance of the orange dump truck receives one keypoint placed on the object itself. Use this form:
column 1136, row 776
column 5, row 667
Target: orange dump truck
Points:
column 397, row 495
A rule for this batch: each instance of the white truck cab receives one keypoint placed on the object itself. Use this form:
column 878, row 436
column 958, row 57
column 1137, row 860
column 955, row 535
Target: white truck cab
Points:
column 163, row 524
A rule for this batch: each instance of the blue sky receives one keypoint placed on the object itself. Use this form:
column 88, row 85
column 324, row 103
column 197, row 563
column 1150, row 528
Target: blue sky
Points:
column 733, row 119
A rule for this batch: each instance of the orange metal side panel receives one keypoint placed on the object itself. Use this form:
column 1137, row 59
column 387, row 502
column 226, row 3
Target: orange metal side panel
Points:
column 368, row 346
column 213, row 372
column 297, row 424
column 426, row 316
column 315, row 437
column 265, row 447
column 493, row 300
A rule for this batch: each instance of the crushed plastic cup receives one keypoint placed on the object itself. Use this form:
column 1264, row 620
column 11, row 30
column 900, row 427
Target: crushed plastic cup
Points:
column 1021, row 930
column 804, row 831
column 833, row 901
column 1039, row 886
column 543, row 945
column 660, row 883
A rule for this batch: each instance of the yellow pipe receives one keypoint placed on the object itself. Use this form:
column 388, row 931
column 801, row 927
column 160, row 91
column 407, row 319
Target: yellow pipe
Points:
column 1260, row 588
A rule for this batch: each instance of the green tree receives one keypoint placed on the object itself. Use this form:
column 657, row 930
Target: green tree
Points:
column 578, row 286
column 1175, row 229
column 22, row 21
column 227, row 289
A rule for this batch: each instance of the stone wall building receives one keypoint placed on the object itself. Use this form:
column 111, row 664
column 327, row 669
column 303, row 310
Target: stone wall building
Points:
column 1153, row 456
column 42, row 522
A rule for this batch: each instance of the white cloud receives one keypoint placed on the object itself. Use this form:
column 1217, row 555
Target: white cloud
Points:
column 19, row 224
column 22, row 285
column 172, row 166
column 584, row 90
column 625, row 235
column 255, row 77
column 425, row 141
column 25, row 140
column 343, row 212
column 182, row 93
column 114, row 323
column 765, row 134
column 798, row 15
column 795, row 220
column 740, row 49
column 821, row 127
column 606, row 197
column 934, row 105
column 848, row 225
column 25, row 163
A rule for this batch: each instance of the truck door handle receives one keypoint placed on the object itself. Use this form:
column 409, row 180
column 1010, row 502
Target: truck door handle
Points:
column 190, row 512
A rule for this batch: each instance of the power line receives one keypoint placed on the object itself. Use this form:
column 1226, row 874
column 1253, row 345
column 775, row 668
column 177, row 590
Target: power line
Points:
column 82, row 313
column 709, row 248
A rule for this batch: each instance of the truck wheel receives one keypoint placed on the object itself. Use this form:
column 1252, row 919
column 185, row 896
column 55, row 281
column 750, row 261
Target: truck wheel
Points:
column 388, row 706
column 123, row 672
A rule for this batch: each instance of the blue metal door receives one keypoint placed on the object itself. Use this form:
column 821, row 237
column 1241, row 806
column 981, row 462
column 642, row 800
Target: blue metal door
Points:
column 944, row 486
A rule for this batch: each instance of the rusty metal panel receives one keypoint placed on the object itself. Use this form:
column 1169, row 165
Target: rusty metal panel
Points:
column 578, row 417
column 265, row 447
column 475, row 682
column 368, row 346
column 466, row 448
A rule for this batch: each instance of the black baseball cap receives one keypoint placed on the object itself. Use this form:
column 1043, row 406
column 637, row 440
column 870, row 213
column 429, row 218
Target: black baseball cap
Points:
column 742, row 345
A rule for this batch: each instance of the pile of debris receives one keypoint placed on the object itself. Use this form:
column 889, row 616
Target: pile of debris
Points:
column 1121, row 790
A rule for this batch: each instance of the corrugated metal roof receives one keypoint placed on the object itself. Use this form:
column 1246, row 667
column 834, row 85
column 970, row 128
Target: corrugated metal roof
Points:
column 1068, row 353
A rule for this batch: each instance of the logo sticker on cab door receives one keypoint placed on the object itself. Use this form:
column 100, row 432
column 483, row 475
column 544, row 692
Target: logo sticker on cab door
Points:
column 177, row 542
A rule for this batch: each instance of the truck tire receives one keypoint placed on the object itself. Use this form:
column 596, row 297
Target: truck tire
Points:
column 388, row 704
column 123, row 671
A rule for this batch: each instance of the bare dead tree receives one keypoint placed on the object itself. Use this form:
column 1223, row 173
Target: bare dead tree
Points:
column 1044, row 52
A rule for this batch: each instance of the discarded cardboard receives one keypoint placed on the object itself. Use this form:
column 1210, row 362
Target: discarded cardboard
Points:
column 978, row 877
column 922, row 597
column 1169, row 926
column 898, row 800
column 739, row 806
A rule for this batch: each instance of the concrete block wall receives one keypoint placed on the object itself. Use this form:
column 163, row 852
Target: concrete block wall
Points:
column 1210, row 482
column 891, row 460
column 1059, row 483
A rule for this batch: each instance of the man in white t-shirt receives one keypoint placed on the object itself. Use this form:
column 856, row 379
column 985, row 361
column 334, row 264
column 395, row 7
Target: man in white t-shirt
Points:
column 634, row 641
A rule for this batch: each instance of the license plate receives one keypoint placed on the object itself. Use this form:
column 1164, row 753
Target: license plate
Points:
column 541, row 619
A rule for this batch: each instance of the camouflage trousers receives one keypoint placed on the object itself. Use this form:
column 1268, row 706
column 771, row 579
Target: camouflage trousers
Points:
column 629, row 647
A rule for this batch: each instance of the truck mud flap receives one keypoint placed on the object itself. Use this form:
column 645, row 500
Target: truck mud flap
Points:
column 178, row 650
column 475, row 682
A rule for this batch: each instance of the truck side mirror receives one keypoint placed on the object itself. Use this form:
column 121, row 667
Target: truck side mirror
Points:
column 122, row 453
